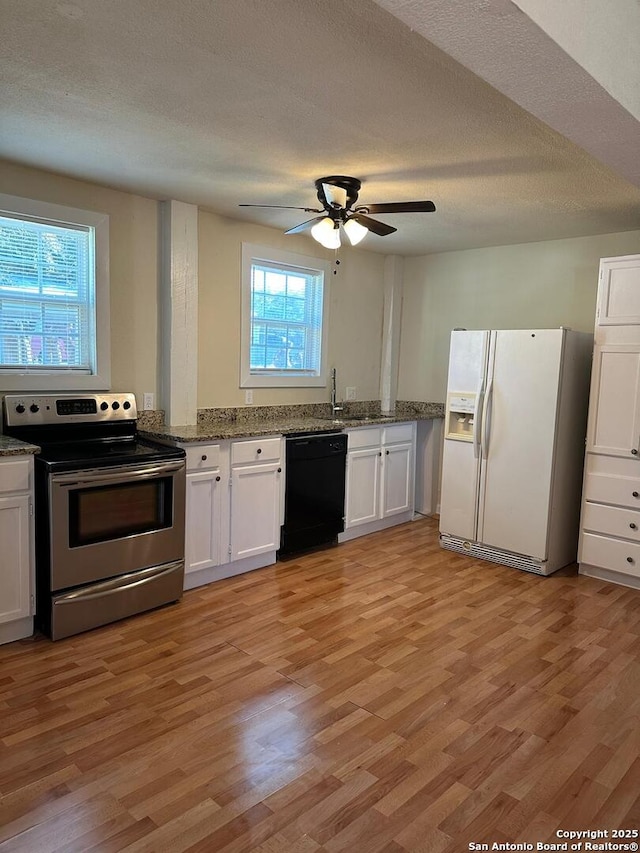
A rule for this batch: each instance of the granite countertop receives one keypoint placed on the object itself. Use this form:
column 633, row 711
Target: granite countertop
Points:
column 218, row 429
column 219, row 424
column 13, row 447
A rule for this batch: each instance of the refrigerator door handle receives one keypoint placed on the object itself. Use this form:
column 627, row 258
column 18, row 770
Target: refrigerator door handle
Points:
column 477, row 423
column 486, row 420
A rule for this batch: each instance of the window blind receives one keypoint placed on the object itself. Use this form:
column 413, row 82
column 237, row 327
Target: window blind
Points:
column 286, row 319
column 46, row 295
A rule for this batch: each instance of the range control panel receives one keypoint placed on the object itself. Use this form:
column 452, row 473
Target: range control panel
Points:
column 37, row 409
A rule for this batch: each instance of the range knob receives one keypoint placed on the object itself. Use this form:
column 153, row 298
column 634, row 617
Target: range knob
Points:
column 104, row 406
column 20, row 409
column 34, row 408
column 115, row 405
column 126, row 405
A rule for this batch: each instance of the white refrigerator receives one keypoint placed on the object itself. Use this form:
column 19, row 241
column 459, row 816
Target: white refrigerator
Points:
column 514, row 441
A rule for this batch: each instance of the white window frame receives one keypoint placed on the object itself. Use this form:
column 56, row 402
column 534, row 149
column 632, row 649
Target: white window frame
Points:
column 250, row 253
column 24, row 379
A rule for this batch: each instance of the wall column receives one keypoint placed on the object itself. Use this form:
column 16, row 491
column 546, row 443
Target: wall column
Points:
column 393, row 268
column 179, row 308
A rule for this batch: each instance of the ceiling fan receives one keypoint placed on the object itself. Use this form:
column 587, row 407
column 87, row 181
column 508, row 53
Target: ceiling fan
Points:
column 338, row 194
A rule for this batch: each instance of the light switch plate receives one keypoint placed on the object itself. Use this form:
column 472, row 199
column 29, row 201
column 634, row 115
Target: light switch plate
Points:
column 351, row 392
column 148, row 401
column 248, row 396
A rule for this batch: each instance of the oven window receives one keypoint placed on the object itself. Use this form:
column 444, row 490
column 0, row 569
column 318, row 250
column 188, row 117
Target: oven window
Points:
column 101, row 513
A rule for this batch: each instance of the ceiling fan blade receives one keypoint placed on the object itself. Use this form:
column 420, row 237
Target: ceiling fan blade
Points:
column 379, row 228
column 335, row 195
column 304, row 226
column 284, row 207
column 400, row 207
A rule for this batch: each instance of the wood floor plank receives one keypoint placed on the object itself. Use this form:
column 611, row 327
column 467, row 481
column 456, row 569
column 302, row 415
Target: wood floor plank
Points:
column 382, row 696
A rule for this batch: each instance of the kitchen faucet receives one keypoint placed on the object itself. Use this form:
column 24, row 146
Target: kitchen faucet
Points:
column 335, row 408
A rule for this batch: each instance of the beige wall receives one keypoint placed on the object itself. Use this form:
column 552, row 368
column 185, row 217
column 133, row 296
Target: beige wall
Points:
column 531, row 285
column 355, row 315
column 356, row 298
column 133, row 261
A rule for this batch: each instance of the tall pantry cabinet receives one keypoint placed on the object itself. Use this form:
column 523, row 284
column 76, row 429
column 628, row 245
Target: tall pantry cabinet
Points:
column 610, row 528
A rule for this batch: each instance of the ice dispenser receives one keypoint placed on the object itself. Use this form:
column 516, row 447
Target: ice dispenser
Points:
column 460, row 416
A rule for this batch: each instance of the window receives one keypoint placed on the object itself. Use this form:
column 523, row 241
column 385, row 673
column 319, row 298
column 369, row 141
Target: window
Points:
column 284, row 318
column 54, row 321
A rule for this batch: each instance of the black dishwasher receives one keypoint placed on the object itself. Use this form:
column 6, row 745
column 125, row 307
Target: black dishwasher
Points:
column 314, row 496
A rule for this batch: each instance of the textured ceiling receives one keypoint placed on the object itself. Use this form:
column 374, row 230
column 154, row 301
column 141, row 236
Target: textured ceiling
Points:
column 217, row 102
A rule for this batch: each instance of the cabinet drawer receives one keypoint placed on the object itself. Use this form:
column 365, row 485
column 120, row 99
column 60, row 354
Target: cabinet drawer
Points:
column 364, row 437
column 14, row 475
column 397, row 432
column 256, row 450
column 613, row 554
column 602, row 488
column 202, row 457
column 612, row 521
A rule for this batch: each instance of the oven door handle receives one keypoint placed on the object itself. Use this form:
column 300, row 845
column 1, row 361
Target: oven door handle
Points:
column 118, row 474
column 128, row 581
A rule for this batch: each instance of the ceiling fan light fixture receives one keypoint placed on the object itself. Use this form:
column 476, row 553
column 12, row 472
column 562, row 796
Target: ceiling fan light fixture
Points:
column 355, row 231
column 327, row 233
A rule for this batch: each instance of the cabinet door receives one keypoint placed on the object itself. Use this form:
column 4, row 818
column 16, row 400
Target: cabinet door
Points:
column 397, row 479
column 362, row 496
column 255, row 510
column 15, row 577
column 202, row 545
column 619, row 292
column 614, row 412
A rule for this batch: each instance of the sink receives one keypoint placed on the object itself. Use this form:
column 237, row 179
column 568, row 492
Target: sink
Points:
column 347, row 419
column 369, row 418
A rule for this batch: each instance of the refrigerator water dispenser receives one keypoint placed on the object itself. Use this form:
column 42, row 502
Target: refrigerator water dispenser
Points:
column 460, row 416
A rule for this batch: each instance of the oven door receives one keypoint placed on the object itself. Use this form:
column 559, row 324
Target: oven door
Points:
column 108, row 522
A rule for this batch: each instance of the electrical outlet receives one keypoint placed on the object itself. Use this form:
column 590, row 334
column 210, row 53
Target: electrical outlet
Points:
column 351, row 392
column 148, row 401
column 248, row 396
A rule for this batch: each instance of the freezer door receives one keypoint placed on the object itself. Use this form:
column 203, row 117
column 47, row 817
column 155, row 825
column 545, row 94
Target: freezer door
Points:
column 461, row 458
column 520, row 414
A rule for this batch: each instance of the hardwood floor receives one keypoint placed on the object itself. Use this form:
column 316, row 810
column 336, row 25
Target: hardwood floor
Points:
column 379, row 697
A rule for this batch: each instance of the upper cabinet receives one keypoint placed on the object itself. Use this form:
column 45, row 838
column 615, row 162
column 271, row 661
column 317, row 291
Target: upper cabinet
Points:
column 618, row 298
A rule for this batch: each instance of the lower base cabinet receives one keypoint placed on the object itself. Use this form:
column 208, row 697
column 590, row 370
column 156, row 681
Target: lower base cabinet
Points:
column 16, row 536
column 234, row 508
column 380, row 478
column 609, row 547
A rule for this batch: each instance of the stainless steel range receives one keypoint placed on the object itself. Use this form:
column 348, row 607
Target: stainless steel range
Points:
column 109, row 509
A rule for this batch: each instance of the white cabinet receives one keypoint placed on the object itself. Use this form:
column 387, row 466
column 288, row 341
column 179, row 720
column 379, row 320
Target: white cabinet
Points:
column 380, row 478
column 255, row 509
column 362, row 488
column 397, row 479
column 16, row 536
column 234, row 508
column 618, row 292
column 609, row 542
column 205, row 491
column 614, row 410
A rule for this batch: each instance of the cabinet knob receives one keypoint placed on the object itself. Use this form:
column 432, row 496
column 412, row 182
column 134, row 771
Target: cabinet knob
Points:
column 259, row 450
column 279, row 470
column 379, row 453
column 387, row 452
column 204, row 457
column 629, row 559
column 633, row 526
column 218, row 479
column 634, row 451
column 635, row 494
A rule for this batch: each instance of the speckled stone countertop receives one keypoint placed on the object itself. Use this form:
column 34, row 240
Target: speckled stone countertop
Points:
column 220, row 424
column 13, row 447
